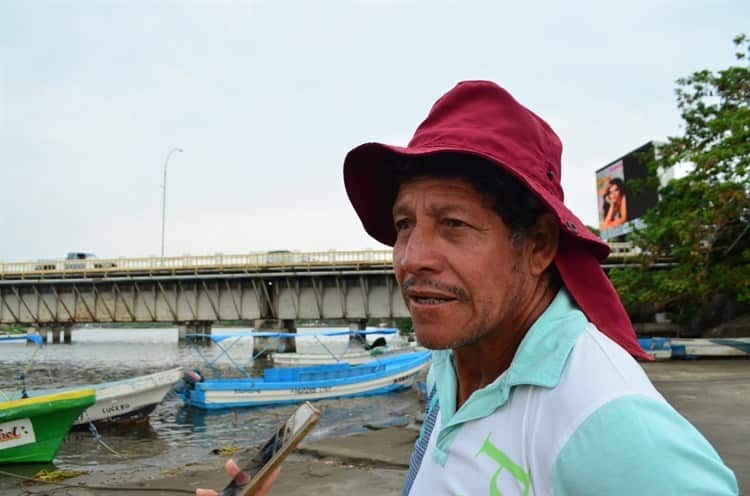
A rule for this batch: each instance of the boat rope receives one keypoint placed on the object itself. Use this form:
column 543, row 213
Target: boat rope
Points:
column 98, row 437
column 328, row 350
column 161, row 490
column 22, row 377
column 259, row 354
column 49, row 374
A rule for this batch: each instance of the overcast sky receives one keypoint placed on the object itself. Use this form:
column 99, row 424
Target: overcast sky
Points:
column 266, row 98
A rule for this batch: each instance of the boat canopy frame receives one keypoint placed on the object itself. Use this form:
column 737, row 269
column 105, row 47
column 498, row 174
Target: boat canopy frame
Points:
column 196, row 340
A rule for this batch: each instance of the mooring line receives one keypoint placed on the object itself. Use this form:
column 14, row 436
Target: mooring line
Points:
column 99, row 488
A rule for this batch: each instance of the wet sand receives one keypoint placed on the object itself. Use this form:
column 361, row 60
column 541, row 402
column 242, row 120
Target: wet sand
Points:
column 713, row 394
column 366, row 464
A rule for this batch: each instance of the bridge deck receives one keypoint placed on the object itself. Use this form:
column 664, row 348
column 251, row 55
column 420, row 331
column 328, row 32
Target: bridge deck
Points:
column 221, row 264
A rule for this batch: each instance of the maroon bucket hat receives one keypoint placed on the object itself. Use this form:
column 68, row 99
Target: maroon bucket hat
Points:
column 482, row 119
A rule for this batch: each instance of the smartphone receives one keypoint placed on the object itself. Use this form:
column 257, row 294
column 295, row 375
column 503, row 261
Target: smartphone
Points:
column 289, row 434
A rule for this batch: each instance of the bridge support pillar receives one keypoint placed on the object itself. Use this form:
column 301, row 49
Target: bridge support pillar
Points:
column 263, row 346
column 55, row 333
column 358, row 325
column 203, row 328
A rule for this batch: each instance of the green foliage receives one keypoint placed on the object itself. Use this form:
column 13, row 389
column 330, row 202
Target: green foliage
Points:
column 13, row 329
column 701, row 222
column 404, row 327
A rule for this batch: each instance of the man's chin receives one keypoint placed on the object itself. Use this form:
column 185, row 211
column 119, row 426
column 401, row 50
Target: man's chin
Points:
column 432, row 342
column 436, row 340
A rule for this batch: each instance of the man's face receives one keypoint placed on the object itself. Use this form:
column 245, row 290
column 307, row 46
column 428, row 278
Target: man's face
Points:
column 461, row 275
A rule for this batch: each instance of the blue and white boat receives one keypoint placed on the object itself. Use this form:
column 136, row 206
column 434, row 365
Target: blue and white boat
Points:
column 666, row 348
column 286, row 385
column 280, row 386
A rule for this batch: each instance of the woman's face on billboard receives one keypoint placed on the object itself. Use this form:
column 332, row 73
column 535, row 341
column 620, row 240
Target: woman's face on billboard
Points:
column 614, row 194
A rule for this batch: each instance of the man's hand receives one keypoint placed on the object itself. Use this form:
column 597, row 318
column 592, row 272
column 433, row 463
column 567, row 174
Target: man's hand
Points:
column 232, row 470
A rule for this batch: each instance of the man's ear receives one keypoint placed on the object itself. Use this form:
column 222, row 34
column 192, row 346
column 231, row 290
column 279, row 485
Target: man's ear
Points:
column 541, row 243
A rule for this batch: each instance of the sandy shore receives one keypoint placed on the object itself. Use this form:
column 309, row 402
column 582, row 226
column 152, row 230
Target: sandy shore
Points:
column 713, row 394
column 366, row 464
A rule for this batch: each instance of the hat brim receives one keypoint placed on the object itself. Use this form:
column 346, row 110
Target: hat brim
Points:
column 368, row 171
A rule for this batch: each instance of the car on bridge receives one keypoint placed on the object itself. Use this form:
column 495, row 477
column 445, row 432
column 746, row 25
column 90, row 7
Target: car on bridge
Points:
column 76, row 261
column 73, row 261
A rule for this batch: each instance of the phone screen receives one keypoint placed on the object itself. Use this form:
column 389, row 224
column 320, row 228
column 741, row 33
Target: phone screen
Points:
column 273, row 452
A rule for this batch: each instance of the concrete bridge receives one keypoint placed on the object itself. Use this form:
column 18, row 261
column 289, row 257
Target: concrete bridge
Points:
column 272, row 290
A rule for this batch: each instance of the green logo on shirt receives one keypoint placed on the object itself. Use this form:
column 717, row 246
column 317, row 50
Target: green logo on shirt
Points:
column 506, row 463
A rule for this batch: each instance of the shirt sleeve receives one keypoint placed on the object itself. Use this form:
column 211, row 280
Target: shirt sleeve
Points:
column 639, row 445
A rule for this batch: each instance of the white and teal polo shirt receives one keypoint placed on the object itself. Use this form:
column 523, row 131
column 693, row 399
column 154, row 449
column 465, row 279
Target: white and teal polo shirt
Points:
column 573, row 415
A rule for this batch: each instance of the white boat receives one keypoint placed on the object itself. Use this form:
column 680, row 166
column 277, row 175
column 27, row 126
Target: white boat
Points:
column 129, row 400
column 124, row 401
column 353, row 357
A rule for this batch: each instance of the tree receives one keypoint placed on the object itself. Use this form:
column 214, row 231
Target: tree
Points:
column 701, row 221
column 404, row 326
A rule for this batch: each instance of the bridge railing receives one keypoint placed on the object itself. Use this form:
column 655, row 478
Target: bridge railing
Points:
column 220, row 262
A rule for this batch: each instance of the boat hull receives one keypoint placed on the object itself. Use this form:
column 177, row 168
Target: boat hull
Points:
column 666, row 348
column 33, row 429
column 381, row 376
column 129, row 400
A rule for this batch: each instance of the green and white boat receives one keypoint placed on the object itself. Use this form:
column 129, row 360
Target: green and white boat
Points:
column 33, row 429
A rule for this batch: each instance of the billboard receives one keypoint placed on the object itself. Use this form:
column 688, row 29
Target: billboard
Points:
column 621, row 207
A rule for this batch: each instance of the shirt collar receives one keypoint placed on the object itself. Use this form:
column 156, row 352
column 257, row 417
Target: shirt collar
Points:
column 539, row 361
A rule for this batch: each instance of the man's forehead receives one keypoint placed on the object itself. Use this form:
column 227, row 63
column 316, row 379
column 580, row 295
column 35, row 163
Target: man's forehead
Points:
column 437, row 185
column 455, row 192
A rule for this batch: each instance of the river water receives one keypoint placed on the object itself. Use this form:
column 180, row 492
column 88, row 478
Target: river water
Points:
column 176, row 435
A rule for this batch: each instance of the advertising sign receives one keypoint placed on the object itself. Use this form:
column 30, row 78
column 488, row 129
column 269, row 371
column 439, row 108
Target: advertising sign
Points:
column 16, row 433
column 620, row 207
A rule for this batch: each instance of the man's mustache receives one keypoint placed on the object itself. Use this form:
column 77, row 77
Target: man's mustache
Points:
column 421, row 282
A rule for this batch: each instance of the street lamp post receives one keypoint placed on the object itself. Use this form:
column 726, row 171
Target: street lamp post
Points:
column 164, row 196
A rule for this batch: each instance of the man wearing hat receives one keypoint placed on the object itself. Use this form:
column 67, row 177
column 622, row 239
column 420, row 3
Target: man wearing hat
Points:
column 534, row 388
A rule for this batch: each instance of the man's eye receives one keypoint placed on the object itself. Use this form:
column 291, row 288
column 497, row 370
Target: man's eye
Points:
column 449, row 222
column 402, row 224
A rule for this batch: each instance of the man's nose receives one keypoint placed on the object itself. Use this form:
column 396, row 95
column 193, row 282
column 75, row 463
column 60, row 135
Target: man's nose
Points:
column 419, row 252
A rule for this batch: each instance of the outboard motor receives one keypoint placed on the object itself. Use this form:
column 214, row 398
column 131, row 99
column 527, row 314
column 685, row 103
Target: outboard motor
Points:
column 189, row 379
column 192, row 377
